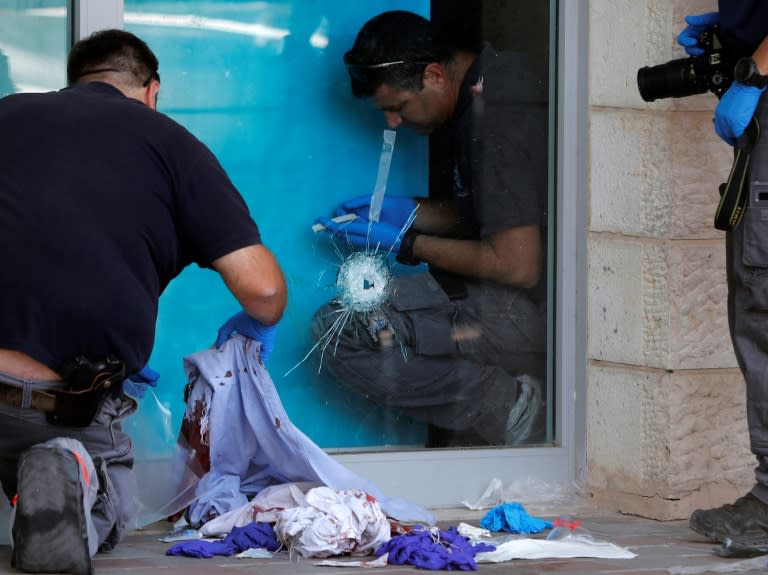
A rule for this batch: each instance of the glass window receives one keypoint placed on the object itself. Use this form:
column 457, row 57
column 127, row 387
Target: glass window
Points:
column 438, row 361
column 34, row 36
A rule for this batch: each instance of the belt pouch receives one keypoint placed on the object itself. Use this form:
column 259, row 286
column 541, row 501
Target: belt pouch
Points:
column 87, row 385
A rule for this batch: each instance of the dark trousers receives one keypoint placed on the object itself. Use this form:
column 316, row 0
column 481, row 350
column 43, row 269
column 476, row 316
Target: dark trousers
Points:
column 110, row 449
column 747, row 267
column 451, row 363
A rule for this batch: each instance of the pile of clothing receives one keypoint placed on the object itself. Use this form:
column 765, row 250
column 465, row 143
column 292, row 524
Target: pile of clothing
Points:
column 325, row 522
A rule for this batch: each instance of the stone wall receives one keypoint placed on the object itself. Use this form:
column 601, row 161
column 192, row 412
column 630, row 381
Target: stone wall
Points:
column 666, row 424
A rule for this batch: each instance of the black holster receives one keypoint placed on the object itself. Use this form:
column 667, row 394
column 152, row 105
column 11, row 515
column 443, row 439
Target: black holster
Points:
column 87, row 385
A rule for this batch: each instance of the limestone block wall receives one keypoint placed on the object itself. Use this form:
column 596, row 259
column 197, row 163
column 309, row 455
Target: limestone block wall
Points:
column 666, row 423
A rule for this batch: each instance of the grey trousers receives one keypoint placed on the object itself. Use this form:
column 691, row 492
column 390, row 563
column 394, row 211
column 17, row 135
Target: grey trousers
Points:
column 747, row 267
column 452, row 363
column 110, row 449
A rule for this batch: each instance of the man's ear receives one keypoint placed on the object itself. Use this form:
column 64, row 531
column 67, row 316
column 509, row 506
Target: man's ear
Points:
column 435, row 75
column 150, row 94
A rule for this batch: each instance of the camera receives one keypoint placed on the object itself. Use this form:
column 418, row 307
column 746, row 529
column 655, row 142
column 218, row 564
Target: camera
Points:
column 688, row 76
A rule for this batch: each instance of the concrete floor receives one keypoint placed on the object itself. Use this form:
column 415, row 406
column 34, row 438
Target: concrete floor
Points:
column 661, row 548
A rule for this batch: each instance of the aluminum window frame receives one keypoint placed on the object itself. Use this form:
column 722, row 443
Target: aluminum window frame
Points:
column 444, row 478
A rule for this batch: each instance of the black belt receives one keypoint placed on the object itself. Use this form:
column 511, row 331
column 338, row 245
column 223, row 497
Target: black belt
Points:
column 84, row 387
column 14, row 395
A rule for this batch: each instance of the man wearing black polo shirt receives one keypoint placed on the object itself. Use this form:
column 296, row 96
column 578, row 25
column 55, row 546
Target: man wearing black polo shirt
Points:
column 461, row 347
column 103, row 201
column 743, row 30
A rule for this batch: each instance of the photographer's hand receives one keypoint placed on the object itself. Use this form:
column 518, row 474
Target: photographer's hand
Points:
column 697, row 24
column 735, row 110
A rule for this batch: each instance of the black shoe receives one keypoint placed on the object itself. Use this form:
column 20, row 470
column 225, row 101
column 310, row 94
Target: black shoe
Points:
column 50, row 533
column 745, row 522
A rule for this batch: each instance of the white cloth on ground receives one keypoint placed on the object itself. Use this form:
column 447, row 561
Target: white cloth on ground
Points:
column 265, row 507
column 333, row 522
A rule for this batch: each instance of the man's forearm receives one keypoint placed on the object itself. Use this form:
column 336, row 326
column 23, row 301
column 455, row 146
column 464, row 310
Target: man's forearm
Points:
column 761, row 57
column 513, row 257
column 436, row 217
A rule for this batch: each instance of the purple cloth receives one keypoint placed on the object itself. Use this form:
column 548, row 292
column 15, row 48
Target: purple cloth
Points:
column 260, row 535
column 436, row 550
column 253, row 535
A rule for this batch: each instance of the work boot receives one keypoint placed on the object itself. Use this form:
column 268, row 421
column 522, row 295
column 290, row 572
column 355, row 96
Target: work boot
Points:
column 50, row 522
column 745, row 521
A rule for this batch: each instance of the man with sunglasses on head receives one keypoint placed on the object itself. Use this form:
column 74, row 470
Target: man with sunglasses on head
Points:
column 103, row 201
column 463, row 346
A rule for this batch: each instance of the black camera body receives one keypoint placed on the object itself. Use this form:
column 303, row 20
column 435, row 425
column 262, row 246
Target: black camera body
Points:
column 711, row 71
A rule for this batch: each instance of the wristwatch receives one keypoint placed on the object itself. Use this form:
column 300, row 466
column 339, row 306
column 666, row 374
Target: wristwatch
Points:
column 745, row 72
column 405, row 255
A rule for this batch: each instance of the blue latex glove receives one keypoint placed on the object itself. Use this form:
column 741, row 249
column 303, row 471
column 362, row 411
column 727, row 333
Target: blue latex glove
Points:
column 513, row 517
column 254, row 535
column 245, row 325
column 445, row 550
column 146, row 375
column 257, row 535
column 136, row 385
column 395, row 210
column 201, row 549
column 735, row 111
column 697, row 24
column 362, row 234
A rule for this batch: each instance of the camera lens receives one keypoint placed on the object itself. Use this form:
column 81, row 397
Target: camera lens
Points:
column 675, row 79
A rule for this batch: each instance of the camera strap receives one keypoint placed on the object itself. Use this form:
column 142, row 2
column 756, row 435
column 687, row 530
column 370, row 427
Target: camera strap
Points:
column 734, row 193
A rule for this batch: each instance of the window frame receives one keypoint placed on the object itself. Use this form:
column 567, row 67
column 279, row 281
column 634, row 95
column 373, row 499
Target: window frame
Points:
column 445, row 477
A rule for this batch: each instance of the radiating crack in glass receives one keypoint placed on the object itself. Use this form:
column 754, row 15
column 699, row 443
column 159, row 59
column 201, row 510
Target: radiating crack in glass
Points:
column 363, row 277
column 363, row 286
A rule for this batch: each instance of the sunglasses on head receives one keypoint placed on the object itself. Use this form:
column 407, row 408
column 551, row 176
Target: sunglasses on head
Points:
column 361, row 72
column 153, row 76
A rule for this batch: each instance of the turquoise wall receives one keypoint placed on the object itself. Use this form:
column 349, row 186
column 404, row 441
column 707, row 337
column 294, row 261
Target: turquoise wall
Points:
column 263, row 85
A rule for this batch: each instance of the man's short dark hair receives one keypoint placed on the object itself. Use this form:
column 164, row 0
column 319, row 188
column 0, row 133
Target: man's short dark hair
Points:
column 112, row 51
column 393, row 48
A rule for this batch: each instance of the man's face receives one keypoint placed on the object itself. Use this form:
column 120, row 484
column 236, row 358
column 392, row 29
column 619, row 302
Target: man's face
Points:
column 423, row 111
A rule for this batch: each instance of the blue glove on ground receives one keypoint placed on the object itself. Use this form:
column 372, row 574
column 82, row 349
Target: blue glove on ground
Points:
column 446, row 550
column 245, row 325
column 201, row 549
column 382, row 238
column 697, row 24
column 252, row 536
column 258, row 535
column 735, row 110
column 395, row 210
column 513, row 517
